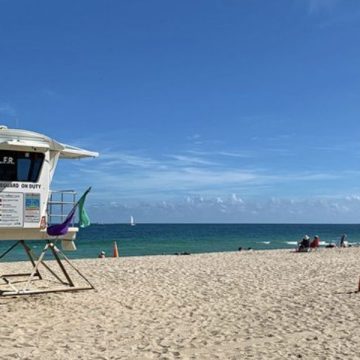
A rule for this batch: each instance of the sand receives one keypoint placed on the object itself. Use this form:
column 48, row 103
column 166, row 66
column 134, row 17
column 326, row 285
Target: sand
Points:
column 243, row 305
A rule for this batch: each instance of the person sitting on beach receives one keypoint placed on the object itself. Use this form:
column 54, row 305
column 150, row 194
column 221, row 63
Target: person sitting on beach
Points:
column 315, row 243
column 343, row 241
column 304, row 244
column 102, row 255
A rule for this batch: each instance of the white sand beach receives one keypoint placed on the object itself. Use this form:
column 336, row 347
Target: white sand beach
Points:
column 243, row 305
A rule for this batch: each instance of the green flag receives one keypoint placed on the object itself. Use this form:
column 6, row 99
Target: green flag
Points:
column 84, row 219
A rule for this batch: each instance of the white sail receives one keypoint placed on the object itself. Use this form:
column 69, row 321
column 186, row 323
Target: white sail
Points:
column 132, row 221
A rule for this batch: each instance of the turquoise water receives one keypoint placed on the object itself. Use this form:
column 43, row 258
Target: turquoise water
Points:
column 156, row 239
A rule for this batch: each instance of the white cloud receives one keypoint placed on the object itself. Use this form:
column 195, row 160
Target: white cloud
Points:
column 316, row 6
column 355, row 198
column 118, row 175
column 190, row 160
column 201, row 209
column 194, row 137
column 223, row 153
column 236, row 200
column 122, row 159
column 207, row 185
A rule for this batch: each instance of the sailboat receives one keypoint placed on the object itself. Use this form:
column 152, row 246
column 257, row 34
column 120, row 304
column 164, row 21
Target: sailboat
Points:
column 132, row 221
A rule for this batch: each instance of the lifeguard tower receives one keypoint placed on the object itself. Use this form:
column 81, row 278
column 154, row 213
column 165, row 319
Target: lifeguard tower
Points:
column 27, row 165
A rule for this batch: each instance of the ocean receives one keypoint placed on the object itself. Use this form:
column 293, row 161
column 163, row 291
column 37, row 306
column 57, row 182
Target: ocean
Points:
column 157, row 239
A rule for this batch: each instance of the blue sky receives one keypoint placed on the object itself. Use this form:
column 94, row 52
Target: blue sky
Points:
column 202, row 111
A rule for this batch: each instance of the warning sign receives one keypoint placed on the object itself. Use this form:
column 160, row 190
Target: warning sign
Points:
column 11, row 209
column 32, row 208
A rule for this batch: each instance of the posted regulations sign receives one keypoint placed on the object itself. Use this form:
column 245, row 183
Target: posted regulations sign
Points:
column 11, row 209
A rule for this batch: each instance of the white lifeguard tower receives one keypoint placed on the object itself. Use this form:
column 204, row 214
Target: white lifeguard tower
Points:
column 27, row 206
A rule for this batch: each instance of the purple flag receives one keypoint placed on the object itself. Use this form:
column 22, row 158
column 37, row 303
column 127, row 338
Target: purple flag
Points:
column 62, row 229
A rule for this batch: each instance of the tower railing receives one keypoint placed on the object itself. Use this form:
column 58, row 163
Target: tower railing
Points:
column 59, row 205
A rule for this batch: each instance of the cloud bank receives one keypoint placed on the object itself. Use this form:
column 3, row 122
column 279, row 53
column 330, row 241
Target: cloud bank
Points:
column 232, row 209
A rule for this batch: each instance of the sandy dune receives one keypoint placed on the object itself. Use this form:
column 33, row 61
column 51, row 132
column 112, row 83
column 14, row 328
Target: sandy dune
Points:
column 245, row 305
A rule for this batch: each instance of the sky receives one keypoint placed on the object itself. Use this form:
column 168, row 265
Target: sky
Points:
column 202, row 111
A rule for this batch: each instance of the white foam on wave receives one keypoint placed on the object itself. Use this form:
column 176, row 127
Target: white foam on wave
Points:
column 264, row 242
column 322, row 243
